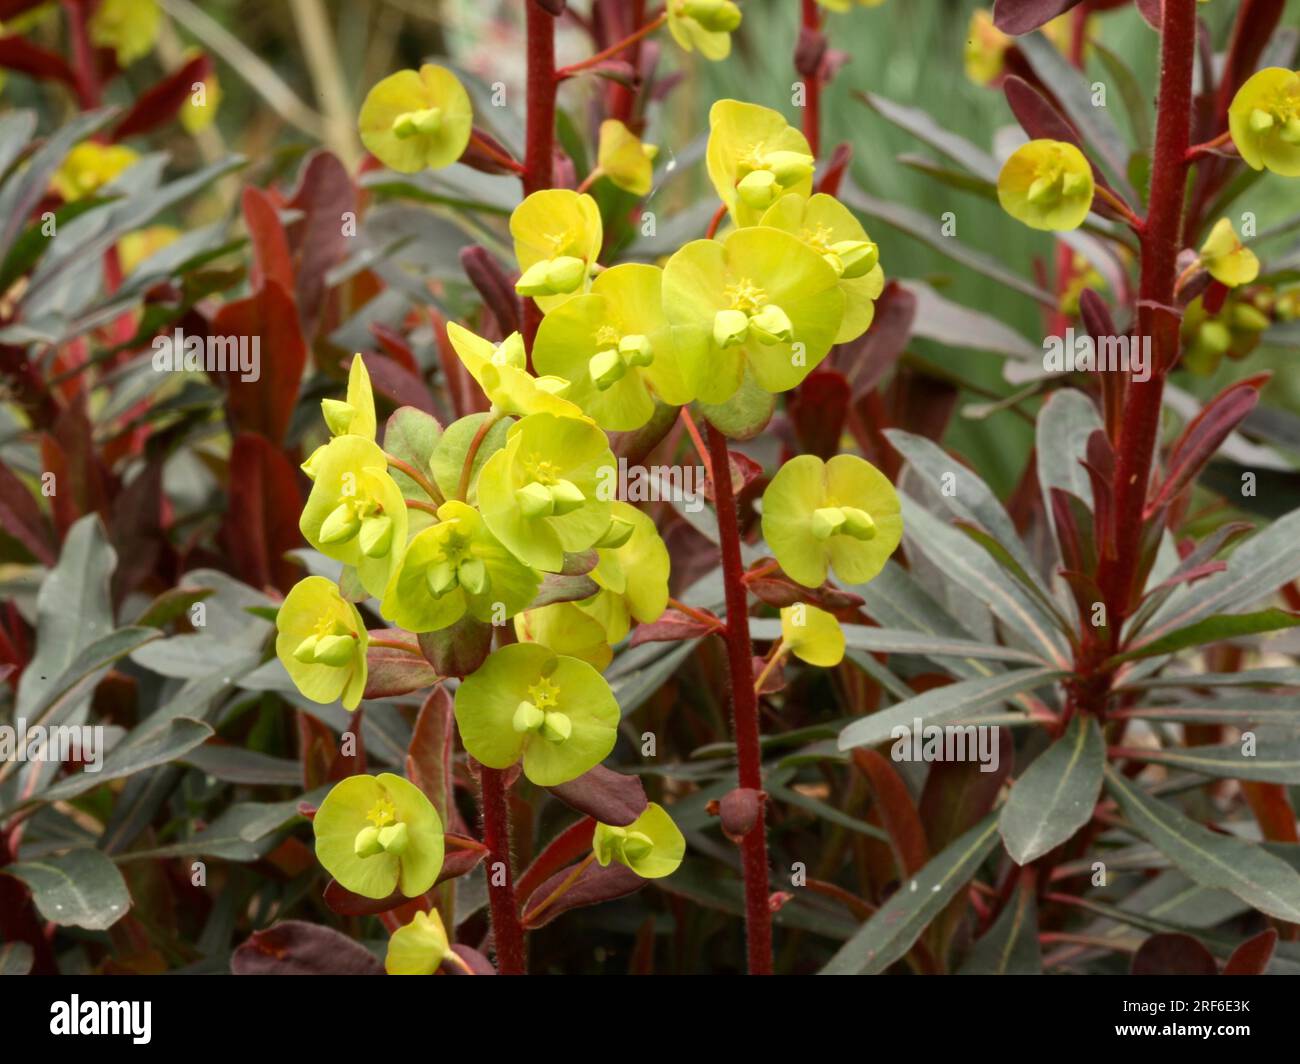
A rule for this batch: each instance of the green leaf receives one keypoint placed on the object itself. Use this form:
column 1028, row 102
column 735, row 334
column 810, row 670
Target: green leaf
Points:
column 943, row 703
column 1274, row 677
column 154, row 746
column 448, row 459
column 1211, row 630
column 1223, row 862
column 1136, row 102
column 1238, row 710
column 1272, row 764
column 891, row 932
column 80, row 888
column 1266, row 561
column 1056, row 795
column 411, row 435
column 893, row 641
column 920, row 125
column 950, row 551
column 1010, row 946
column 955, row 325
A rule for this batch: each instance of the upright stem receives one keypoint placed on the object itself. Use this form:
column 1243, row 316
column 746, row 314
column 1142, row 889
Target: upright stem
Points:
column 506, row 930
column 812, row 86
column 1160, row 239
column 539, row 148
column 744, row 709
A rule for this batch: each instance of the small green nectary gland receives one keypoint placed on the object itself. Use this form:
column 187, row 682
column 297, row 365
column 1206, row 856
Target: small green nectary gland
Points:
column 858, row 523
column 441, row 578
column 606, row 368
column 1291, row 132
column 376, row 536
column 335, row 650
column 636, row 350
column 827, row 521
column 730, row 328
column 338, row 415
column 716, row 16
column 1044, row 190
column 759, row 189
column 772, row 325
column 413, row 123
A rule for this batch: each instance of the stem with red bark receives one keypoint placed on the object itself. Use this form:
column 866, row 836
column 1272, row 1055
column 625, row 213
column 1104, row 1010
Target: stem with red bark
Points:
column 507, row 933
column 539, row 146
column 1139, row 433
column 744, row 708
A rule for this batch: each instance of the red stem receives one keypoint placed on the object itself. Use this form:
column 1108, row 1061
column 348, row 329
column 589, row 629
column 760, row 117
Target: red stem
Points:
column 506, row 930
column 539, row 148
column 744, row 708
column 83, row 55
column 1160, row 239
column 812, row 86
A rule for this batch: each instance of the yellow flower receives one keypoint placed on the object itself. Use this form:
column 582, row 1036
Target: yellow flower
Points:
column 986, row 46
column 754, row 157
column 89, row 167
column 703, row 25
column 129, row 27
column 1264, row 121
column 413, row 120
column 624, row 159
column 1224, row 256
column 1047, row 184
column 557, row 235
column 812, row 635
column 135, row 247
column 200, row 108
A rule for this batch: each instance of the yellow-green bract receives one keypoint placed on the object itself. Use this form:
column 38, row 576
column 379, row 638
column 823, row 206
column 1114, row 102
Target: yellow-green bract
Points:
column 416, row 120
column 652, row 845
column 321, row 641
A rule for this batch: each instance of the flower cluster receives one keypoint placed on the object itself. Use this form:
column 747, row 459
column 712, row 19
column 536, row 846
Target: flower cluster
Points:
column 505, row 521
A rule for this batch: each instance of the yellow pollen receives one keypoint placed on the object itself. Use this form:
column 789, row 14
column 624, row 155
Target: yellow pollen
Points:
column 607, row 336
column 819, row 239
column 541, row 470
column 745, row 295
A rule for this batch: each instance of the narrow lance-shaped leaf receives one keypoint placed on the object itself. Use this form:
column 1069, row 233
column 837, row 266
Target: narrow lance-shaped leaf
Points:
column 1056, row 795
column 891, row 932
column 1223, row 862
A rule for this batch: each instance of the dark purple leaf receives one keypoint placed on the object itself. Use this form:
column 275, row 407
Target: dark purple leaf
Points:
column 1173, row 953
column 593, row 886
column 605, row 795
column 293, row 947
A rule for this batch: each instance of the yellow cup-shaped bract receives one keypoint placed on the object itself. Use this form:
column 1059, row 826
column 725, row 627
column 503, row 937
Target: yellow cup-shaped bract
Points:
column 1047, row 184
column 417, row 119
column 1264, row 121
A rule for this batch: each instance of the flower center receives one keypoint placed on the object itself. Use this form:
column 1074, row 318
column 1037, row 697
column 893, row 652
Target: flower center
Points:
column 537, row 714
column 386, row 834
column 331, row 643
column 361, row 517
